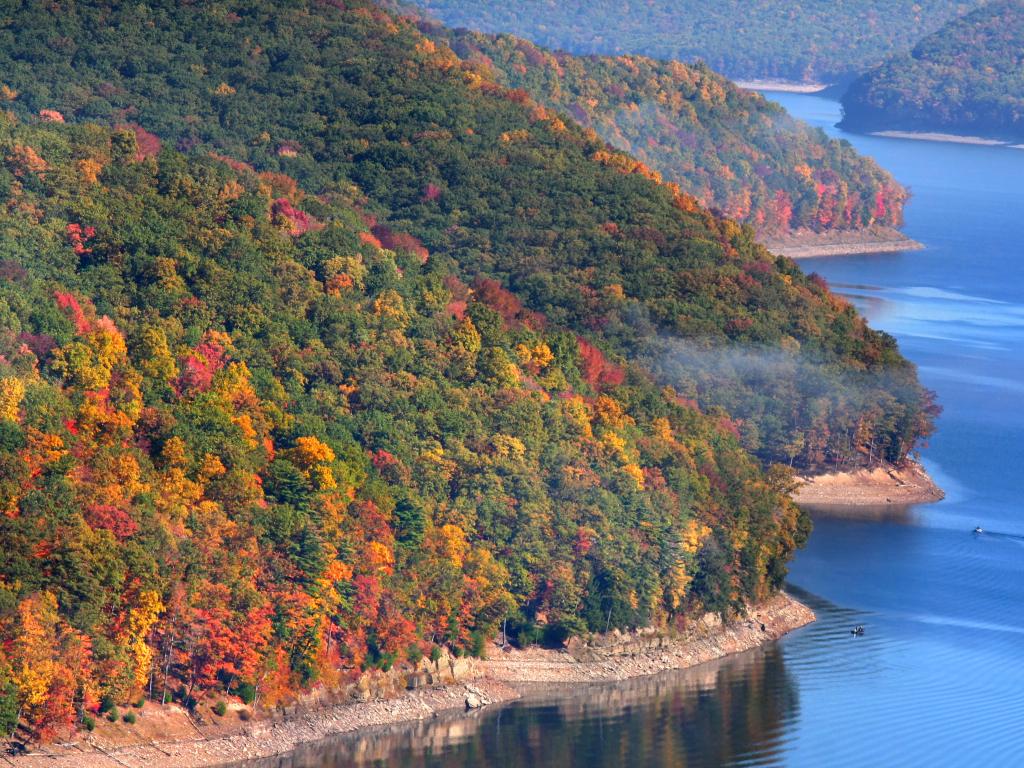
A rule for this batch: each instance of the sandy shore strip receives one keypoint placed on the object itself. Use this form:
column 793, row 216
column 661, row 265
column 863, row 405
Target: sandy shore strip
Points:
column 879, row 487
column 781, row 86
column 950, row 138
column 507, row 675
column 805, row 244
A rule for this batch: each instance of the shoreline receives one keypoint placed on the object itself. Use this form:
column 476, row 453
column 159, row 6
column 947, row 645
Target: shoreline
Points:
column 805, row 244
column 946, row 138
column 780, row 86
column 870, row 490
column 506, row 676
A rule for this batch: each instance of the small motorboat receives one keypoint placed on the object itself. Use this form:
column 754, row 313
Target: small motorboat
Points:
column 858, row 630
column 978, row 529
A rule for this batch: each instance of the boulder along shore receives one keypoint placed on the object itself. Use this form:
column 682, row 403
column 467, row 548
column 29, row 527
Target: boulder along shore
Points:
column 173, row 738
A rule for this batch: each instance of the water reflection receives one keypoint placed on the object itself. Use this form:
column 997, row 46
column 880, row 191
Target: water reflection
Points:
column 735, row 711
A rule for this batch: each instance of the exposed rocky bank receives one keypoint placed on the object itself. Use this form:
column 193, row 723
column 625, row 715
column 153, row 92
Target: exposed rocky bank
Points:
column 881, row 486
column 173, row 739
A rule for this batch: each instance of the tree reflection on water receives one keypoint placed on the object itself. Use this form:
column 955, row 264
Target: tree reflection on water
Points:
column 734, row 709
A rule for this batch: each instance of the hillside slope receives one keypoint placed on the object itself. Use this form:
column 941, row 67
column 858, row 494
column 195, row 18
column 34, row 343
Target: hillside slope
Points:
column 244, row 449
column 733, row 150
column 814, row 40
column 498, row 184
column 966, row 78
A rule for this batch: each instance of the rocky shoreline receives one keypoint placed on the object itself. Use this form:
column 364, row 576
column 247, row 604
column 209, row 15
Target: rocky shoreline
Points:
column 472, row 684
column 781, row 86
column 805, row 244
column 879, row 487
column 948, row 138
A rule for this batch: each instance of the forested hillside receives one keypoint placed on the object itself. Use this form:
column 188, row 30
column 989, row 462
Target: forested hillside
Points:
column 500, row 184
column 244, row 447
column 966, row 78
column 733, row 150
column 326, row 350
column 811, row 40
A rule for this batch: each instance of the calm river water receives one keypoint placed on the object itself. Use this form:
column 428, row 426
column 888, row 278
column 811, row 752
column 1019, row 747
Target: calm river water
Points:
column 938, row 678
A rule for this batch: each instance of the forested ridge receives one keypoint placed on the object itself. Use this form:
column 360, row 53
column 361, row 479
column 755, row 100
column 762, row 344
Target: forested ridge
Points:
column 322, row 350
column 805, row 41
column 502, row 185
column 968, row 77
column 734, row 150
column 244, row 448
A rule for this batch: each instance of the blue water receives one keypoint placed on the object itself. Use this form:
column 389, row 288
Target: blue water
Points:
column 938, row 678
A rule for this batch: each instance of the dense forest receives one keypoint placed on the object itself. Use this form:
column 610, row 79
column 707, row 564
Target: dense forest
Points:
column 578, row 231
column 323, row 350
column 805, row 41
column 732, row 149
column 968, row 78
column 245, row 448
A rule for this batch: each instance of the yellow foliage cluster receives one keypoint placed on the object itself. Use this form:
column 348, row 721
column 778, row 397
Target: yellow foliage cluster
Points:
column 379, row 557
column 511, row 137
column 12, row 390
column 454, row 544
column 89, row 170
column 637, row 474
column 508, row 447
column 694, row 536
column 141, row 619
column 538, row 356
column 309, row 451
column 609, row 413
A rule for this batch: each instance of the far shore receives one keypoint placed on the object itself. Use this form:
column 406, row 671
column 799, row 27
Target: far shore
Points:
column 883, row 486
column 805, row 244
column 504, row 676
column 781, row 86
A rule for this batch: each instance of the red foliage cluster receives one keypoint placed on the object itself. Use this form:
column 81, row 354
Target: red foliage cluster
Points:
column 517, row 96
column 382, row 459
column 880, row 208
column 199, row 367
column 148, row 144
column 739, row 324
column 584, row 541
column 596, row 369
column 39, row 344
column 431, row 192
column 299, row 222
column 506, row 304
column 369, row 239
column 235, row 165
column 77, row 235
column 729, row 425
column 400, row 241
column 51, row 116
column 457, row 309
column 110, row 518
column 69, row 304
